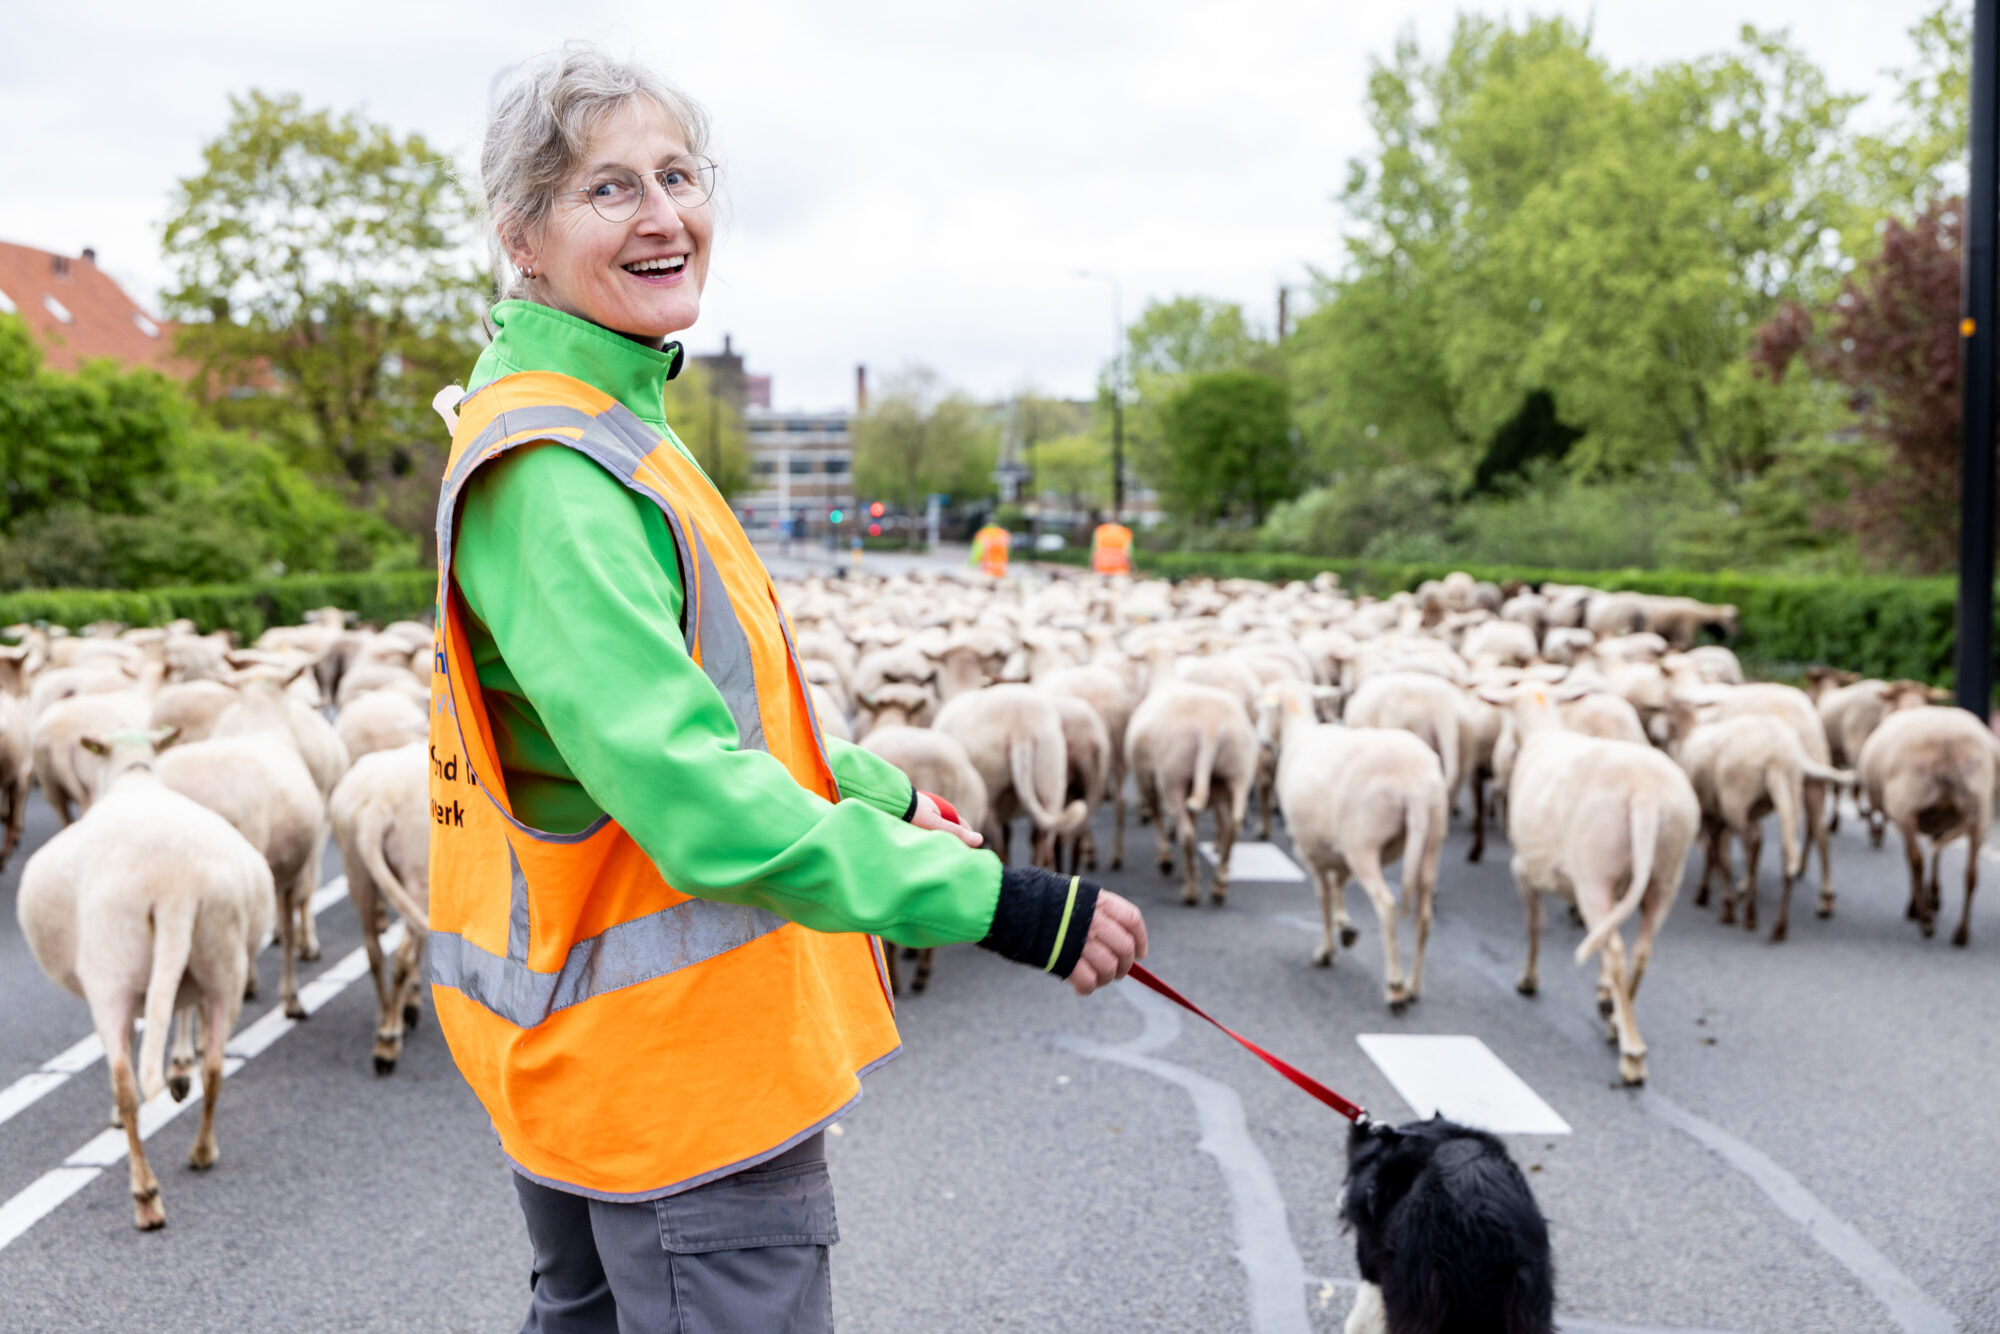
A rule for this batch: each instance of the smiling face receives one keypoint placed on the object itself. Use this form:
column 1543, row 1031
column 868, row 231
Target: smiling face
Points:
column 641, row 277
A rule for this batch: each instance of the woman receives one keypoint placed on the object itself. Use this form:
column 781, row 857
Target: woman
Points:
column 653, row 881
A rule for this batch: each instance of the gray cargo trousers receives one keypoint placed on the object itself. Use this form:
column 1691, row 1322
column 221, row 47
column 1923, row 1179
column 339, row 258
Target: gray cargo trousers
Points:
column 745, row 1254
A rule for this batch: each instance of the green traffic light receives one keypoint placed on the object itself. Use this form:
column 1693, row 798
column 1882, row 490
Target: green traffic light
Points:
column 834, row 517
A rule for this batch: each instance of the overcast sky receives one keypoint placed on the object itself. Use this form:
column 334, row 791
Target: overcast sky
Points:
column 914, row 182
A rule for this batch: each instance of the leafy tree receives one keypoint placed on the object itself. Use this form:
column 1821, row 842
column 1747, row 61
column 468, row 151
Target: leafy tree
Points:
column 1534, row 220
column 917, row 439
column 112, row 480
column 1229, row 447
column 1169, row 343
column 326, row 263
column 1892, row 341
column 710, row 426
column 1921, row 157
column 1076, row 467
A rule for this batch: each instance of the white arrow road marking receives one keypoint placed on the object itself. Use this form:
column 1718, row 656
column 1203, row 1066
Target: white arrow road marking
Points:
column 37, row 1084
column 45, row 1193
column 1460, row 1076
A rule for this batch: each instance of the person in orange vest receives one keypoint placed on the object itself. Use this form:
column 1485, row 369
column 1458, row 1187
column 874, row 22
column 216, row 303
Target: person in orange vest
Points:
column 1111, row 548
column 989, row 550
column 655, row 884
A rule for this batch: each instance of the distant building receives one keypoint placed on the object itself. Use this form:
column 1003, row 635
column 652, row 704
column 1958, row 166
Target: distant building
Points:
column 801, row 463
column 76, row 313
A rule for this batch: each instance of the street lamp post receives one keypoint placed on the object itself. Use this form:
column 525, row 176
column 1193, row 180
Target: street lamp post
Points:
column 1117, row 392
column 1974, row 666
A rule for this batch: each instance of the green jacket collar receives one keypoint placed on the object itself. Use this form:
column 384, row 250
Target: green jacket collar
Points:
column 534, row 337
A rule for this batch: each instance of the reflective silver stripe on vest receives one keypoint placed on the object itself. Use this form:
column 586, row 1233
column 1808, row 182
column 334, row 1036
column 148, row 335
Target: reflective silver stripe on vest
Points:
column 542, row 417
column 622, row 956
column 517, row 910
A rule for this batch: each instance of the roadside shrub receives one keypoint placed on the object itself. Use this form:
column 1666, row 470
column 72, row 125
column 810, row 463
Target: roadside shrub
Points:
column 247, row 608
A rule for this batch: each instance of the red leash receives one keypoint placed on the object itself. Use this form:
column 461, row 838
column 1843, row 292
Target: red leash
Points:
column 1352, row 1111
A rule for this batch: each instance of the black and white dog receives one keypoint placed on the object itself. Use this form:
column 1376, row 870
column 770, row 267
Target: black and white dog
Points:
column 1447, row 1233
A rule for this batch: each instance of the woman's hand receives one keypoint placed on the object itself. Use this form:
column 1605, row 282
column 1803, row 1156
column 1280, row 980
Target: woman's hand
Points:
column 928, row 816
column 1117, row 939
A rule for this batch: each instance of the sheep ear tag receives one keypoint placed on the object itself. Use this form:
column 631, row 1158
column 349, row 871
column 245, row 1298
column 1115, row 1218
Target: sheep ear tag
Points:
column 1540, row 697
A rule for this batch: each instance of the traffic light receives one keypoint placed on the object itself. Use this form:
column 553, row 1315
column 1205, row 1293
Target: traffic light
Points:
column 875, row 510
column 834, row 517
column 874, row 530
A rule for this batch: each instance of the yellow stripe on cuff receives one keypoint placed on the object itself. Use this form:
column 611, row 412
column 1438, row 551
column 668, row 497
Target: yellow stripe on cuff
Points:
column 1062, row 928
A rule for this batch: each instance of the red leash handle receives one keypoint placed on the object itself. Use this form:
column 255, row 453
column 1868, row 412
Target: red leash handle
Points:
column 1352, row 1111
column 945, row 808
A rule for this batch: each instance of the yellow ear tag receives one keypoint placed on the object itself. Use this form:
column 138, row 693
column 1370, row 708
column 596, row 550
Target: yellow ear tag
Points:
column 1541, row 699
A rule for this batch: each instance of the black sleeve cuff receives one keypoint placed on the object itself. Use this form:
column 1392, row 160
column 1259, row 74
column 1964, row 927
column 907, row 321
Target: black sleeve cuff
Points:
column 1040, row 920
column 911, row 813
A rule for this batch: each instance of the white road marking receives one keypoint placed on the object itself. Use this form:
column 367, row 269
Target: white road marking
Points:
column 1264, row 1247
column 1259, row 861
column 37, row 1084
column 45, row 1193
column 1460, row 1076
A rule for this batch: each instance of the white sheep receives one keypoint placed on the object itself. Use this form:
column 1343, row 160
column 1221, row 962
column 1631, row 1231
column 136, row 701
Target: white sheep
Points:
column 1354, row 800
column 148, row 902
column 381, row 819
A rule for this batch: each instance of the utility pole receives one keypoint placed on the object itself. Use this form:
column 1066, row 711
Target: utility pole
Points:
column 1980, row 307
column 1117, row 393
column 1284, row 295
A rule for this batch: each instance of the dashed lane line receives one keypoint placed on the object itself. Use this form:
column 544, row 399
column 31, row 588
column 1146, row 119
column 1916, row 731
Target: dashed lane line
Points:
column 47, row 1192
column 1459, row 1076
column 53, row 1073
column 1259, row 862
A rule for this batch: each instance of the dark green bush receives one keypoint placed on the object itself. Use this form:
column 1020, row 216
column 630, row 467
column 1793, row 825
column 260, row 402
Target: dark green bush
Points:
column 247, row 608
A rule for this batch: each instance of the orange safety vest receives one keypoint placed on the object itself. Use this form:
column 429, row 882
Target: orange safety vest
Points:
column 991, row 545
column 1111, row 549
column 628, row 1040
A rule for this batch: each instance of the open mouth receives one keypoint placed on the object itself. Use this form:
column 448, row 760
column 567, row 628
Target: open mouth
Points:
column 666, row 266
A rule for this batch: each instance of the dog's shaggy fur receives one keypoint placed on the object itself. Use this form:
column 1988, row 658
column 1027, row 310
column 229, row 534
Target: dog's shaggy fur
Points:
column 1447, row 1233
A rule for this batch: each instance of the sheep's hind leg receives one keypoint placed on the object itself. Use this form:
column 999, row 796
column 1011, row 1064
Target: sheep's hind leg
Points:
column 206, row 1151
column 1530, row 981
column 180, row 1062
column 1975, row 837
column 1753, row 851
column 1815, row 795
column 1395, row 987
column 1631, row 1047
column 114, row 1029
column 1327, row 885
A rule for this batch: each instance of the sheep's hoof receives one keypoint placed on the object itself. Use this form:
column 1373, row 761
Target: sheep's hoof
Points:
column 918, row 986
column 1929, row 927
column 1825, row 906
column 1632, row 1069
column 147, row 1211
column 1874, row 838
column 1322, row 957
column 178, row 1084
column 1728, row 917
column 1399, row 1002
column 250, row 987
column 1475, row 854
column 1701, row 897
column 909, row 952
column 1166, row 867
column 309, row 953
column 411, row 1013
column 1527, row 986
column 1778, row 934
column 1605, row 1007
column 1117, row 862
column 385, row 1065
column 1961, row 937
column 294, row 1009
column 1348, row 935
column 203, row 1155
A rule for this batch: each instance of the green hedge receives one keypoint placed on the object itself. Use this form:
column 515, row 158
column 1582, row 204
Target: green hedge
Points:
column 248, row 609
column 1880, row 627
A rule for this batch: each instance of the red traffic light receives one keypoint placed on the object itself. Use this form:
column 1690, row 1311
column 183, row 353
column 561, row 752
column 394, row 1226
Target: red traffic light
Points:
column 874, row 530
column 875, row 510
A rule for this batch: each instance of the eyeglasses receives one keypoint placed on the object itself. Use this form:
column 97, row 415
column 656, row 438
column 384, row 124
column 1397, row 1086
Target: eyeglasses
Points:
column 617, row 193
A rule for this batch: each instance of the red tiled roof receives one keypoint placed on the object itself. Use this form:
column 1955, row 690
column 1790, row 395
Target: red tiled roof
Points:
column 103, row 322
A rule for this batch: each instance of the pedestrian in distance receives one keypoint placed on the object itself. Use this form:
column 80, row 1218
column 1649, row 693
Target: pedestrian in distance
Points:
column 656, row 887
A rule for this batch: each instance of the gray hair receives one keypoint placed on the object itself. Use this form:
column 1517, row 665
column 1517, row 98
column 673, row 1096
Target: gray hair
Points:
column 543, row 120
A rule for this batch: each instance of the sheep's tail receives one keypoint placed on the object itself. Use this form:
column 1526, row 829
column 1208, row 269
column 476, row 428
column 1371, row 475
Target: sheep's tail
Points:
column 173, row 941
column 1418, row 866
column 1645, row 818
column 1820, row 773
column 1789, row 801
column 372, row 828
column 1021, row 764
column 1447, row 749
column 1204, row 765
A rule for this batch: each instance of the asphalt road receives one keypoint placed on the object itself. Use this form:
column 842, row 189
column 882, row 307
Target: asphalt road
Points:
column 1815, row 1151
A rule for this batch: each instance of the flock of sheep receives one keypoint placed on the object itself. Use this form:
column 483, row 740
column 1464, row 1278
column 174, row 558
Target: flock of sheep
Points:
column 199, row 781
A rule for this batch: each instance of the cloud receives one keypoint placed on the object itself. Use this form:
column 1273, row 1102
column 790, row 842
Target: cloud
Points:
column 905, row 182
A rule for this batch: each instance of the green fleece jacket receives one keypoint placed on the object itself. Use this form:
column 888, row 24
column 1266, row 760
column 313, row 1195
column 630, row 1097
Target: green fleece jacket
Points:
column 575, row 635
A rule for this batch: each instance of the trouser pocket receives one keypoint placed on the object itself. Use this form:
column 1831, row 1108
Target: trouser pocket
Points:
column 748, row 1253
